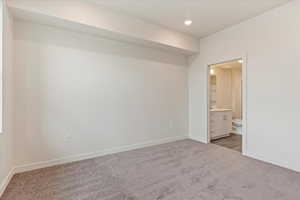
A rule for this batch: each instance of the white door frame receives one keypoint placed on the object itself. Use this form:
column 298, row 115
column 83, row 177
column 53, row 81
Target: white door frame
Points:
column 244, row 97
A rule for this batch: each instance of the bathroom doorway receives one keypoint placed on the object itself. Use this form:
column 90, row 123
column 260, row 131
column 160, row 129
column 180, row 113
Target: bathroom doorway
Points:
column 226, row 104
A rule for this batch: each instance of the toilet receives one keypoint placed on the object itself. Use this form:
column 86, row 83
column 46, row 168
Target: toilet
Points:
column 237, row 126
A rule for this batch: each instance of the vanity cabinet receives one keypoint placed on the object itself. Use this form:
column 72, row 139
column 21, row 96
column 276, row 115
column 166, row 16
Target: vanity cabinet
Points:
column 220, row 123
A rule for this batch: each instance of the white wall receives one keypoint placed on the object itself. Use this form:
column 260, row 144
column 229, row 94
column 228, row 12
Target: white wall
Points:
column 84, row 16
column 272, row 44
column 6, row 137
column 77, row 94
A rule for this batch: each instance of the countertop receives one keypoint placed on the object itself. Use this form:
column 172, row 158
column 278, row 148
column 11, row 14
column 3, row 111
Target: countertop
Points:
column 220, row 110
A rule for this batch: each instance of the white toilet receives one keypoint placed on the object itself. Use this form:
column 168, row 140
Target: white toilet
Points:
column 237, row 126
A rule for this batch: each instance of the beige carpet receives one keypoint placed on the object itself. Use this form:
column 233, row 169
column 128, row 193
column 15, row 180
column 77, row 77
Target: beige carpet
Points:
column 183, row 170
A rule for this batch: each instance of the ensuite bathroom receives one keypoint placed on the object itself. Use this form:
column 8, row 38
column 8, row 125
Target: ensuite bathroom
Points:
column 225, row 104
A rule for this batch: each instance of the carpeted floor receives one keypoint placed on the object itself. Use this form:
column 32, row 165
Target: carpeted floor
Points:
column 183, row 170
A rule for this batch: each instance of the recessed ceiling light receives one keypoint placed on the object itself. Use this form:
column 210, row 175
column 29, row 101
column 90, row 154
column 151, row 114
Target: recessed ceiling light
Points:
column 240, row 61
column 188, row 22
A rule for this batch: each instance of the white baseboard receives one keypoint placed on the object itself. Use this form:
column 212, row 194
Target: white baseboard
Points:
column 64, row 160
column 6, row 181
column 273, row 162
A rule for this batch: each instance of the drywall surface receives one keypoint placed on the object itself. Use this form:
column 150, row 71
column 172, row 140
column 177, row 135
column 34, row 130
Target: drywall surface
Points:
column 77, row 94
column 224, row 88
column 271, row 42
column 88, row 17
column 236, row 75
column 6, row 136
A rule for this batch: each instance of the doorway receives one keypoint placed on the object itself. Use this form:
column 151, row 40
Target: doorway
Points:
column 226, row 106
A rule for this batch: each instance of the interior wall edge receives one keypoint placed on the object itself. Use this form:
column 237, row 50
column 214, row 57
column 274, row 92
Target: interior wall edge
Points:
column 7, row 135
column 80, row 157
column 93, row 19
column 269, row 41
column 6, row 181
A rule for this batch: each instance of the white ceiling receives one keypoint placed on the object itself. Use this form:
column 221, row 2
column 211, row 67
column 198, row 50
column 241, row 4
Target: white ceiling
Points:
column 208, row 16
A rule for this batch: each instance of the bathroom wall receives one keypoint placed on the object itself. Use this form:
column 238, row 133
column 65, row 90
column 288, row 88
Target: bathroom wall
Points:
column 226, row 89
column 236, row 78
column 223, row 88
column 213, row 91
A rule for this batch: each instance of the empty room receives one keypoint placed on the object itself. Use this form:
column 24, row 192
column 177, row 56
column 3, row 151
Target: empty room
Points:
column 149, row 100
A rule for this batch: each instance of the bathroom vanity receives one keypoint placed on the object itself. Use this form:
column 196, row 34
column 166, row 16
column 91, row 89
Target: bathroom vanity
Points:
column 220, row 123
